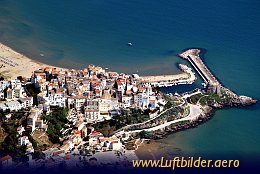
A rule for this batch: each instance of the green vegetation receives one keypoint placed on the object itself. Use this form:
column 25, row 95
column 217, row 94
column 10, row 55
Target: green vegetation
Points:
column 145, row 135
column 168, row 105
column 128, row 117
column 10, row 138
column 171, row 101
column 134, row 116
column 195, row 98
column 166, row 97
column 56, row 121
column 209, row 99
column 8, row 128
column 107, row 127
column 34, row 142
column 172, row 114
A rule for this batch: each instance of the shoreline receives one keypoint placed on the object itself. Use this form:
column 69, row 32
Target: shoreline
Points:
column 157, row 78
column 152, row 146
column 14, row 64
column 24, row 66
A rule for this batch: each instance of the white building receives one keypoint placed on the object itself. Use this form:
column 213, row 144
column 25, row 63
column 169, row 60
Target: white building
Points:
column 105, row 105
column 19, row 92
column 10, row 94
column 92, row 115
column 3, row 106
column 4, row 84
column 33, row 117
column 77, row 102
column 92, row 104
column 23, row 141
column 13, row 105
column 126, row 101
column 57, row 99
column 26, row 102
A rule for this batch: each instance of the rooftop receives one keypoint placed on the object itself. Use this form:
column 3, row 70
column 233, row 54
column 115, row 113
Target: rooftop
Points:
column 7, row 157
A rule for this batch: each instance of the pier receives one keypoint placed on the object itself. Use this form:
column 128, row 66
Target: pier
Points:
column 192, row 55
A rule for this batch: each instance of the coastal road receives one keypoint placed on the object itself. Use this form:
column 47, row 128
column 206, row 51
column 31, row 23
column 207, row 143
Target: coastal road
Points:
column 147, row 121
column 189, row 95
column 195, row 112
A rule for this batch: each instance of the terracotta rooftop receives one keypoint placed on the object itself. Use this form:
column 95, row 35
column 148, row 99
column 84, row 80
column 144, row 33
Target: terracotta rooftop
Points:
column 7, row 157
column 95, row 133
column 19, row 128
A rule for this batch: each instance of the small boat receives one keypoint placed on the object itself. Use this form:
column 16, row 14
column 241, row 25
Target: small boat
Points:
column 204, row 85
column 42, row 55
column 129, row 44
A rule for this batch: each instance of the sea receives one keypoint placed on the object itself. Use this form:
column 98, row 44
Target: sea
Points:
column 76, row 33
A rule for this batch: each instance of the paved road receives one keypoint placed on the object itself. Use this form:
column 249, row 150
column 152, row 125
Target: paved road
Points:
column 195, row 112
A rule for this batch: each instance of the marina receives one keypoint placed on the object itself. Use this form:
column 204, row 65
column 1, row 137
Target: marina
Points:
column 187, row 77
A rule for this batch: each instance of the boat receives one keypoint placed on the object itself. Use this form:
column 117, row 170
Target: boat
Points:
column 42, row 55
column 129, row 44
column 176, row 94
column 204, row 85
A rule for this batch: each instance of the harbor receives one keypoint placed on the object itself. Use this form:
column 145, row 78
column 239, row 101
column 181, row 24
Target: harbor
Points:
column 198, row 112
column 186, row 77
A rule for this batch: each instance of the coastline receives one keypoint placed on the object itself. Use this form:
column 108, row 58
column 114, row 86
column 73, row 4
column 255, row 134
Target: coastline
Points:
column 152, row 78
column 207, row 113
column 15, row 64
column 24, row 66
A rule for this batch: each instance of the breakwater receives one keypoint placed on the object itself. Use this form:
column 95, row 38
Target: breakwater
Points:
column 192, row 55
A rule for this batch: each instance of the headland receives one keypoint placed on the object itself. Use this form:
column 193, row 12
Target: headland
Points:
column 202, row 104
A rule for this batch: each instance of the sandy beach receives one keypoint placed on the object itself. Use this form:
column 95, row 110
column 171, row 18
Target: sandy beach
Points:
column 13, row 64
column 158, row 78
column 155, row 149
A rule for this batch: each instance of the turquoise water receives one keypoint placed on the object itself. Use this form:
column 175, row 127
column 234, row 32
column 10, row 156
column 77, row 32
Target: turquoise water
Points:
column 76, row 33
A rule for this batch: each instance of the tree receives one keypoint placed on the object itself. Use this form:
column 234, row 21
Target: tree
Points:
column 58, row 126
column 145, row 134
column 55, row 139
column 168, row 105
column 50, row 129
column 34, row 143
column 57, row 120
